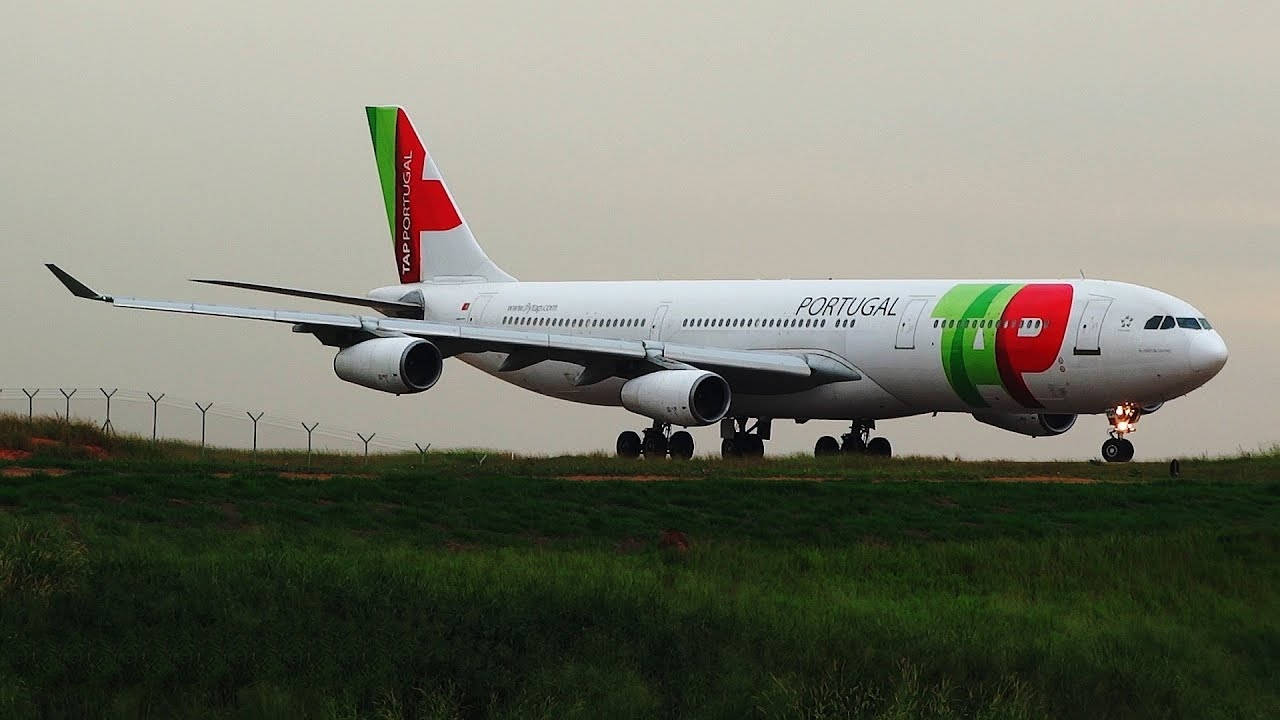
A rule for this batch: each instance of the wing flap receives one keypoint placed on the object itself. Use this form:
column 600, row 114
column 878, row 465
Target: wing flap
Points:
column 762, row 361
column 246, row 313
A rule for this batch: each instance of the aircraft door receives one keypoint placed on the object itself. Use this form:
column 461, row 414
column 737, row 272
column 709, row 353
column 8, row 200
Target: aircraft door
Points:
column 659, row 317
column 907, row 324
column 1090, row 330
column 476, row 311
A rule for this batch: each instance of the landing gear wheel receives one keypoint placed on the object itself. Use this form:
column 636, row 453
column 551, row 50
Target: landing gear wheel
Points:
column 826, row 446
column 729, row 449
column 853, row 445
column 680, row 445
column 1117, row 450
column 752, row 445
column 654, row 445
column 879, row 446
column 628, row 445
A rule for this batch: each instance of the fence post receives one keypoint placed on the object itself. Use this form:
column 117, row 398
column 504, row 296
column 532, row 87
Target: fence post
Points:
column 255, row 427
column 204, row 413
column 310, row 430
column 30, row 401
column 366, row 444
column 155, row 413
column 422, row 452
column 106, row 426
column 68, row 397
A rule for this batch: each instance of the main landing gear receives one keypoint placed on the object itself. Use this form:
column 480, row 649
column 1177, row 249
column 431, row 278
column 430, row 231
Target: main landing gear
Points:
column 857, row 441
column 656, row 443
column 739, row 441
column 1124, row 420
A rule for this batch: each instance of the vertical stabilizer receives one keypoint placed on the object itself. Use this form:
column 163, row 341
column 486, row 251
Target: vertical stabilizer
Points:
column 431, row 239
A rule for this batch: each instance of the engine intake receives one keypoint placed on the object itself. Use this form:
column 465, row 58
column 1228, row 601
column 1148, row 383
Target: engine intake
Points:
column 1032, row 424
column 680, row 397
column 399, row 365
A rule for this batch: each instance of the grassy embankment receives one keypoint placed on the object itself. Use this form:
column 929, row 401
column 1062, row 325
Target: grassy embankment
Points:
column 146, row 581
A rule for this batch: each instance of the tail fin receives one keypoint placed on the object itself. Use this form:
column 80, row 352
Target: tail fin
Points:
column 432, row 241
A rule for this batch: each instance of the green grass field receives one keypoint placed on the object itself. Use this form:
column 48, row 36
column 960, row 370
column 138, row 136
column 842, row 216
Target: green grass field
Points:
column 149, row 581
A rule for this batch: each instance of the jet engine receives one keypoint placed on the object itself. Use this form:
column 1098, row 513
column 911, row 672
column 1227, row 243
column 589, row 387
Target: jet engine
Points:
column 1148, row 409
column 680, row 397
column 1033, row 424
column 397, row 365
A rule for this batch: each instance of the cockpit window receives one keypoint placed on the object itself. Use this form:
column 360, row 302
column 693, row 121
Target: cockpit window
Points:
column 1189, row 323
column 1154, row 322
column 1168, row 322
column 1205, row 324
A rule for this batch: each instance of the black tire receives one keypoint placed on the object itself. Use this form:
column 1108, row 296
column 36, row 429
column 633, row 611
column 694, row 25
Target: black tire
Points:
column 628, row 445
column 1113, row 450
column 729, row 449
column 1127, row 448
column 879, row 447
column 826, row 446
column 654, row 445
column 680, row 445
column 853, row 445
column 752, row 446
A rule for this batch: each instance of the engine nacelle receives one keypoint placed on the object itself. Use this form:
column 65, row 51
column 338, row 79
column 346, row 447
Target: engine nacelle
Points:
column 1033, row 424
column 397, row 365
column 1148, row 409
column 680, row 397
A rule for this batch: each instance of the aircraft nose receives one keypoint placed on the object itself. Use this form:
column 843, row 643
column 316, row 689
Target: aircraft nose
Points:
column 1207, row 354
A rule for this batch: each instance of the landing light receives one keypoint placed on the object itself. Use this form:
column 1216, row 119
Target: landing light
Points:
column 1124, row 419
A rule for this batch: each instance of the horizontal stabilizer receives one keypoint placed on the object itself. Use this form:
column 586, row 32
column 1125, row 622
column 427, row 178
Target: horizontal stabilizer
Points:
column 393, row 308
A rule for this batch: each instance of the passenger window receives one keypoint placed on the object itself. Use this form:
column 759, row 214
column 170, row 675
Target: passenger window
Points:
column 1205, row 324
column 1189, row 323
column 1167, row 323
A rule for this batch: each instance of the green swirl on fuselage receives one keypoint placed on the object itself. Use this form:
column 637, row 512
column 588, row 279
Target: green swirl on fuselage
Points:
column 967, row 366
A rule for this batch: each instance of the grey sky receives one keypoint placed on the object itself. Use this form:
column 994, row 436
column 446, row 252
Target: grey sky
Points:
column 155, row 142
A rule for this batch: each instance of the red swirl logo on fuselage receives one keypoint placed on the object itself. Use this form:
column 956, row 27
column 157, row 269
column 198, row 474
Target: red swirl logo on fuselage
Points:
column 995, row 333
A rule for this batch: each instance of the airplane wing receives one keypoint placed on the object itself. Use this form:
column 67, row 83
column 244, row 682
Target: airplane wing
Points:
column 750, row 370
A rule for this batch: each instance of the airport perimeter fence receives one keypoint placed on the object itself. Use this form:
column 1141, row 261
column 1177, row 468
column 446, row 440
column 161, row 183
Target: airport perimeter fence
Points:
column 164, row 416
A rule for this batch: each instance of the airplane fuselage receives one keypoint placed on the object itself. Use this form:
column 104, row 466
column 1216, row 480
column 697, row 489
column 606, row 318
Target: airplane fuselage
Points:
column 1045, row 346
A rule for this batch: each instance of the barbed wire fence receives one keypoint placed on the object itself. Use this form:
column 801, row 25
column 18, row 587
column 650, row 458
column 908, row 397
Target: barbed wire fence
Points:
column 166, row 416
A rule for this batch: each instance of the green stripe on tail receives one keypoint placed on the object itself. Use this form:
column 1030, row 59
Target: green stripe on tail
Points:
column 382, row 130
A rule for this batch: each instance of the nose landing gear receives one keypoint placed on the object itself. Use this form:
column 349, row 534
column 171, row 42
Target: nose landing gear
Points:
column 656, row 443
column 1124, row 420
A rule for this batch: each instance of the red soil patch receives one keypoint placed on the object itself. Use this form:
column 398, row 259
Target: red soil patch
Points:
column 96, row 452
column 1045, row 479
column 675, row 540
column 14, row 454
column 15, row 472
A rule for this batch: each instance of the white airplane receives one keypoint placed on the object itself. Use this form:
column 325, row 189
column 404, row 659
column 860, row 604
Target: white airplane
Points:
column 1023, row 355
